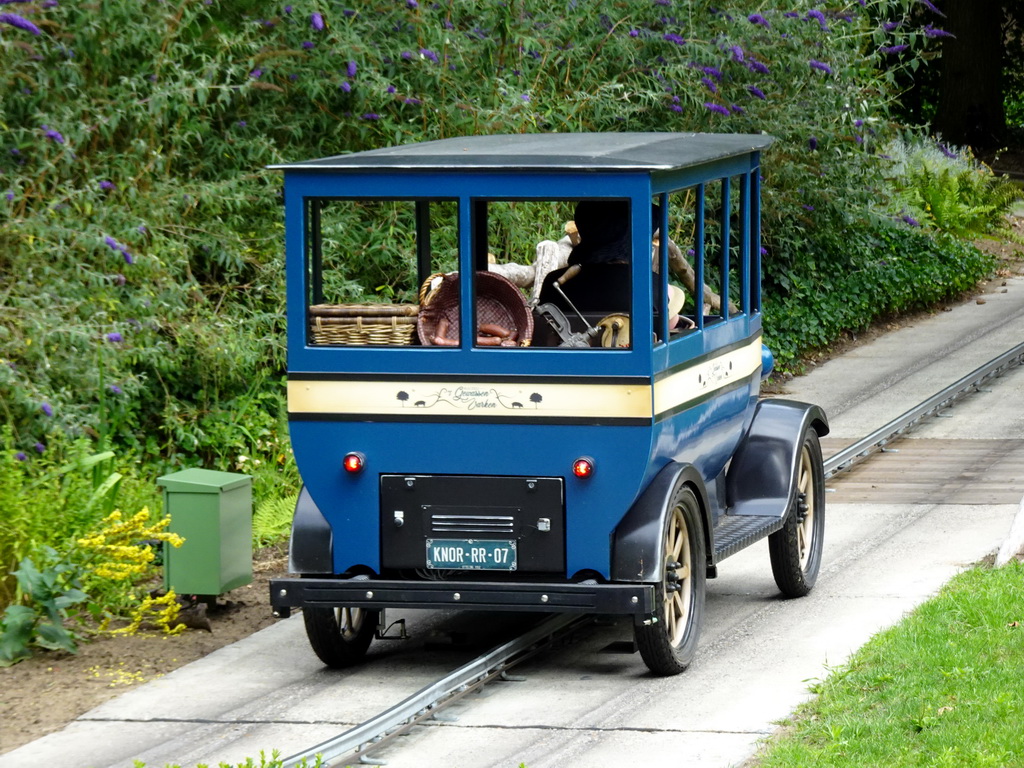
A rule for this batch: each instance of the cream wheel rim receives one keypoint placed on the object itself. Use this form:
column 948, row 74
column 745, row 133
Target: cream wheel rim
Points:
column 805, row 508
column 350, row 621
column 678, row 570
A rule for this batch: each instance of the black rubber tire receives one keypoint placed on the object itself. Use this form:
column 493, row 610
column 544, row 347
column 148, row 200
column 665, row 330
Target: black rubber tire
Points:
column 340, row 636
column 668, row 645
column 795, row 549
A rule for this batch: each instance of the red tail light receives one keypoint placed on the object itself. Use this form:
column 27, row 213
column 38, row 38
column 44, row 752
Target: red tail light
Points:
column 353, row 462
column 583, row 467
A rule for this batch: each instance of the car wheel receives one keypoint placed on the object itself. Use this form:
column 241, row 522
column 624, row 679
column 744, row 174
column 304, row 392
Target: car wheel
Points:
column 795, row 549
column 340, row 636
column 667, row 645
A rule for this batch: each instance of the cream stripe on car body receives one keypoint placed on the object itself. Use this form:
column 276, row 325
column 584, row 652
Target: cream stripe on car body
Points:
column 523, row 398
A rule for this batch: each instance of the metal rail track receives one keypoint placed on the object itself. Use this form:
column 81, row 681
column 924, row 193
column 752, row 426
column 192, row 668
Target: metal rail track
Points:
column 878, row 439
column 427, row 702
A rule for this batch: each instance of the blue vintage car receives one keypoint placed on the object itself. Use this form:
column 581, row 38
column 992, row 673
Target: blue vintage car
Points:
column 523, row 374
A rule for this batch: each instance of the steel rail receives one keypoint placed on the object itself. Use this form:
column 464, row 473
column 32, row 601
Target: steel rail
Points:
column 878, row 439
column 428, row 701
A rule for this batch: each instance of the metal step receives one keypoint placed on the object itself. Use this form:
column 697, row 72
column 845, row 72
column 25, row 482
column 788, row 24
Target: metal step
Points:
column 736, row 532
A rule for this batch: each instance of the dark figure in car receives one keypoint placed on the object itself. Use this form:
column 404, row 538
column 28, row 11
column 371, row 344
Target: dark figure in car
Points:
column 598, row 276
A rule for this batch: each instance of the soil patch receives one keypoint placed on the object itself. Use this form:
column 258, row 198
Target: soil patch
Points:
column 46, row 692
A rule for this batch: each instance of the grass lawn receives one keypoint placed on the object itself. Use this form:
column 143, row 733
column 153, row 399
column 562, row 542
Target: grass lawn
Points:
column 945, row 687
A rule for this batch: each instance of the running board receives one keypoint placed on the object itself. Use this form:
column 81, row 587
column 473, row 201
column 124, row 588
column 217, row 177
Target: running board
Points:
column 736, row 532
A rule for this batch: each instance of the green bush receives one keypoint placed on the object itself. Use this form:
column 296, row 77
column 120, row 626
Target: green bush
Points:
column 140, row 236
column 946, row 188
column 892, row 269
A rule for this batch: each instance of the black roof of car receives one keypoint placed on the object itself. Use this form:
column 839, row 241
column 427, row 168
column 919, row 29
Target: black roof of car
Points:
column 547, row 152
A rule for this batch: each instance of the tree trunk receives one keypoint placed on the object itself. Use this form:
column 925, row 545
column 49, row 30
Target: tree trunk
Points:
column 970, row 109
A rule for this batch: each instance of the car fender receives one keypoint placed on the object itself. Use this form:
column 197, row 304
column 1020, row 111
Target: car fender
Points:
column 762, row 476
column 311, row 548
column 637, row 541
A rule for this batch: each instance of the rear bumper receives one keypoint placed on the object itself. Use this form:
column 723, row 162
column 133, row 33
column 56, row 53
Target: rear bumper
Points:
column 635, row 600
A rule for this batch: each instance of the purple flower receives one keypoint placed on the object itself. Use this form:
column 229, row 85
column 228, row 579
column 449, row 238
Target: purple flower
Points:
column 115, row 389
column 712, row 72
column 428, row 54
column 737, row 53
column 755, row 91
column 411, row 100
column 46, row 408
column 675, row 107
column 256, row 74
column 710, row 84
column 107, row 186
column 127, row 256
column 931, row 7
column 52, row 134
column 370, row 116
column 20, row 22
column 9, row 195
column 308, row 44
column 287, row 9
column 673, row 38
column 819, row 65
column 716, row 108
column 812, row 143
column 757, row 18
column 141, row 229
column 20, row 456
column 634, row 33
column 889, row 26
column 910, row 220
column 406, row 55
column 889, row 49
column 114, row 337
column 391, row 89
column 930, row 31
column 807, row 207
column 39, row 447
column 946, row 151
column 525, row 97
column 756, row 66
column 316, row 21
column 346, row 86
column 412, row 3
column 791, row 14
column 737, row 109
column 351, row 69
column 111, row 243
column 818, row 16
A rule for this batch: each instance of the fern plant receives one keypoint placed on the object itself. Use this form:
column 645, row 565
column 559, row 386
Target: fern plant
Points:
column 272, row 520
column 946, row 188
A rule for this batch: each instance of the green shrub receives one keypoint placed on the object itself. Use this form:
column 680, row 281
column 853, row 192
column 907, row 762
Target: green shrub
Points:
column 892, row 269
column 140, row 236
column 946, row 188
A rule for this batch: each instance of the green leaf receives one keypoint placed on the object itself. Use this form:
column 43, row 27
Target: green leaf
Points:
column 55, row 637
column 16, row 634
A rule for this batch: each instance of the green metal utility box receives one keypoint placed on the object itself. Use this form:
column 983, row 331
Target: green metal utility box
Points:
column 213, row 512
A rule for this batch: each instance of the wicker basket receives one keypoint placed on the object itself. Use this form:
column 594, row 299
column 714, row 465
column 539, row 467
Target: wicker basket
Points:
column 498, row 303
column 362, row 324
